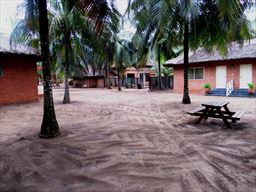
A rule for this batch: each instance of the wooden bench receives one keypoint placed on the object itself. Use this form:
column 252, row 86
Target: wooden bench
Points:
column 197, row 111
column 238, row 115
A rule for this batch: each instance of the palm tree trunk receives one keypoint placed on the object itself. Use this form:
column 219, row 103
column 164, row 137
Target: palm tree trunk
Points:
column 93, row 70
column 49, row 127
column 186, row 98
column 66, row 98
column 159, row 69
column 106, row 75
column 119, row 81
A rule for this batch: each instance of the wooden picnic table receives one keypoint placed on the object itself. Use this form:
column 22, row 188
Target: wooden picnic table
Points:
column 217, row 109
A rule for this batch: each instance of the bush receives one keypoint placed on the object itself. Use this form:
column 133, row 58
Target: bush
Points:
column 207, row 86
column 251, row 85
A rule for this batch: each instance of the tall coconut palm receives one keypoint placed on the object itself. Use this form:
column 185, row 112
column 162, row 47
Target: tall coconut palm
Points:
column 98, row 59
column 99, row 13
column 26, row 31
column 154, row 34
column 50, row 126
column 203, row 23
column 64, row 27
column 121, row 58
column 30, row 30
column 211, row 24
column 68, row 27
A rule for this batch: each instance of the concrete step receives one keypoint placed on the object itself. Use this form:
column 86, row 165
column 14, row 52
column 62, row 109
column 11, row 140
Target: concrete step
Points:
column 235, row 93
column 241, row 93
column 217, row 92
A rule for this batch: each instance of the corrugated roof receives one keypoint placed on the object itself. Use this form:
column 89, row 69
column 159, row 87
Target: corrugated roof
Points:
column 6, row 48
column 248, row 51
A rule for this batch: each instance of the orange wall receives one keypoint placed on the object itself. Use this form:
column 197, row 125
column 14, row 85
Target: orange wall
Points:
column 100, row 83
column 95, row 83
column 137, row 72
column 19, row 81
column 195, row 86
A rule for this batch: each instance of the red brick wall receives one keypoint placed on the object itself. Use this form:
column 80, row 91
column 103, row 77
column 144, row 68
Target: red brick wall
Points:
column 195, row 86
column 100, row 83
column 19, row 81
column 91, row 83
column 95, row 83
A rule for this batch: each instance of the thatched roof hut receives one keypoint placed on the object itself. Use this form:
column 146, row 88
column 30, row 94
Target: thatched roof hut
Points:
column 18, row 73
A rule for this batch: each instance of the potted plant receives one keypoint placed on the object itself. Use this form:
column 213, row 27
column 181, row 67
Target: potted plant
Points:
column 251, row 89
column 207, row 88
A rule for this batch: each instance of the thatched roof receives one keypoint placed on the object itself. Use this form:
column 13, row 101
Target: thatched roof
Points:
column 248, row 51
column 151, row 62
column 6, row 48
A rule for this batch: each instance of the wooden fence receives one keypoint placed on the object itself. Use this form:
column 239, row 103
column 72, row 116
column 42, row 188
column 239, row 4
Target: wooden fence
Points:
column 152, row 84
column 167, row 83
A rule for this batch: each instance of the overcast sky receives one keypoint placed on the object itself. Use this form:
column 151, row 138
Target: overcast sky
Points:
column 9, row 12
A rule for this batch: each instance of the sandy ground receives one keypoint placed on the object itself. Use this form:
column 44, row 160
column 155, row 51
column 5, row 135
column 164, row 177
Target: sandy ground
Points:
column 129, row 141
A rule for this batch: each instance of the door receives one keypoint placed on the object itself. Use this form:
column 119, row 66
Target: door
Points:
column 245, row 75
column 221, row 75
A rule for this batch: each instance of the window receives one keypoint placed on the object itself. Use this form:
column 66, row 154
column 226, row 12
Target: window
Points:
column 196, row 73
column 191, row 73
column 130, row 75
column 1, row 71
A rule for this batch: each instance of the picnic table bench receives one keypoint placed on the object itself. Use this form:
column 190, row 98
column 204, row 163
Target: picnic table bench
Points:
column 217, row 109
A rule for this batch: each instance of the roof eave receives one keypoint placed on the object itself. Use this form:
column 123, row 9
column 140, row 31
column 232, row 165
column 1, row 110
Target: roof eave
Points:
column 211, row 61
column 37, row 57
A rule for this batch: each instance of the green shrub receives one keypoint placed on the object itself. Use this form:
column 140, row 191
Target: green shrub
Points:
column 251, row 85
column 207, row 86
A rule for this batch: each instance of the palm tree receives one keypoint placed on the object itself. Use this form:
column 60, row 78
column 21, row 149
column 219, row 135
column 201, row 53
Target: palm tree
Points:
column 99, row 59
column 30, row 30
column 210, row 24
column 165, row 71
column 154, row 34
column 66, row 23
column 50, row 127
column 122, row 58
column 98, row 13
column 27, row 29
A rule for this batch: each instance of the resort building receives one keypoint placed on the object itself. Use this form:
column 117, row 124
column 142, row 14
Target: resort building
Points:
column 18, row 73
column 233, row 71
